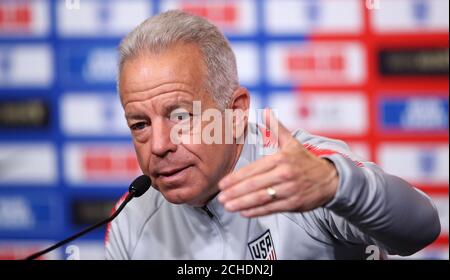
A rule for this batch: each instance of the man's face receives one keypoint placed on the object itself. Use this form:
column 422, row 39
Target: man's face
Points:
column 154, row 87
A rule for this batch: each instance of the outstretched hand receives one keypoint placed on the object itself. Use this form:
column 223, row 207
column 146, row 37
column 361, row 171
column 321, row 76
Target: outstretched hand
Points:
column 291, row 180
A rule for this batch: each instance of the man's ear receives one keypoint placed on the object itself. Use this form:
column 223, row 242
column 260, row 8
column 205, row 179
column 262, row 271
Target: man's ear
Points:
column 240, row 104
column 240, row 99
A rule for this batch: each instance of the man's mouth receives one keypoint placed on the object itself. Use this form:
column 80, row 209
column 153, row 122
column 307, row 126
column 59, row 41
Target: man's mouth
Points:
column 173, row 174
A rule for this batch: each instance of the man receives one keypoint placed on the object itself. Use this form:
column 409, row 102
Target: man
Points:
column 310, row 199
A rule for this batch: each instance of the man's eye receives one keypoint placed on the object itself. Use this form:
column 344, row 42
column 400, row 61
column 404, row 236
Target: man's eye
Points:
column 138, row 126
column 180, row 116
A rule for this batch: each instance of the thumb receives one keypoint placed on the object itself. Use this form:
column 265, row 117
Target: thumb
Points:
column 275, row 130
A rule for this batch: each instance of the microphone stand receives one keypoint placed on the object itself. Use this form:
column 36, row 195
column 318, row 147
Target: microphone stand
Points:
column 130, row 196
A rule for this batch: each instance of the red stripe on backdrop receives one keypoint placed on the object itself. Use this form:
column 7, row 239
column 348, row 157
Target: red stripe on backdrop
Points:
column 434, row 190
column 407, row 84
column 413, row 137
column 416, row 40
column 369, row 87
column 404, row 93
column 417, row 140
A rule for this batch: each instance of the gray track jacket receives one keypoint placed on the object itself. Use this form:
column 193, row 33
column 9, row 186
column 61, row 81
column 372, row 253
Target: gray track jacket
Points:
column 372, row 214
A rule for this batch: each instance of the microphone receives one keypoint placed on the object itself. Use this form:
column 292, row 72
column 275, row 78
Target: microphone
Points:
column 137, row 188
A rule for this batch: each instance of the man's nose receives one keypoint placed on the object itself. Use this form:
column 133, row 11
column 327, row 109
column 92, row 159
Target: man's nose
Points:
column 161, row 142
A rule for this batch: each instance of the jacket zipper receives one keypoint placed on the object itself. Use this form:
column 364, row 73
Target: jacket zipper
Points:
column 218, row 226
column 206, row 209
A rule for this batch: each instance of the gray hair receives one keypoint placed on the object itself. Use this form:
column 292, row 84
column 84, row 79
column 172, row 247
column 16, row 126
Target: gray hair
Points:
column 166, row 29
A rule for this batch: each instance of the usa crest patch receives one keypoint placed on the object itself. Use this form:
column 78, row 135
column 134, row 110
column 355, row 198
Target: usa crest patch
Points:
column 262, row 248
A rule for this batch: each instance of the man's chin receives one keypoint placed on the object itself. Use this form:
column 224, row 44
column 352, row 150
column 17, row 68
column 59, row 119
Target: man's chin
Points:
column 179, row 196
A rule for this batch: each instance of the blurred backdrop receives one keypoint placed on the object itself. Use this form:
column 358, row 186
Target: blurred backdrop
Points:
column 373, row 73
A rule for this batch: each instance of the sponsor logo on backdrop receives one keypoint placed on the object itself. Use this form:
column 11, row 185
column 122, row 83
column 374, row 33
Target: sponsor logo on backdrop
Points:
column 313, row 17
column 101, row 17
column 322, row 112
column 113, row 165
column 27, row 164
column 29, row 113
column 373, row 4
column 15, row 61
column 324, row 64
column 93, row 114
column 89, row 65
column 100, row 65
column 73, row 4
column 24, row 18
column 16, row 214
column 29, row 214
column 426, row 113
column 414, row 62
column 411, row 16
column 420, row 164
column 232, row 17
column 88, row 211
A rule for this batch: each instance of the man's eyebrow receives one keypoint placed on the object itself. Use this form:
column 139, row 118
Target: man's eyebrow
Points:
column 172, row 106
column 135, row 116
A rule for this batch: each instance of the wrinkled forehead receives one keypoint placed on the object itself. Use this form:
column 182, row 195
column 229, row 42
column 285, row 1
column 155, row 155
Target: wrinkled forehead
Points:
column 181, row 63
